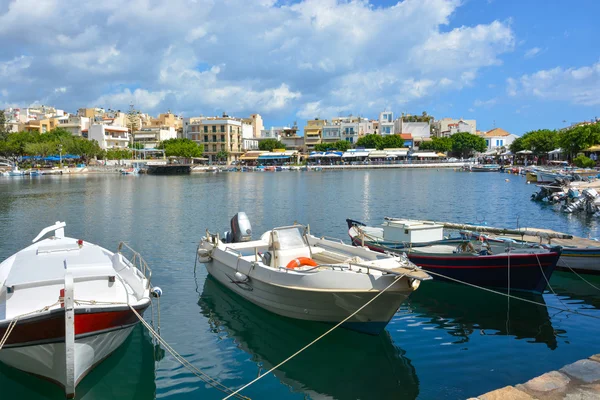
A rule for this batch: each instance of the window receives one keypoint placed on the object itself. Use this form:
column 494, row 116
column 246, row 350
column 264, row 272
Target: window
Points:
column 205, row 129
column 222, row 147
column 206, row 137
column 214, row 147
column 487, row 142
column 214, row 128
column 214, row 138
column 222, row 128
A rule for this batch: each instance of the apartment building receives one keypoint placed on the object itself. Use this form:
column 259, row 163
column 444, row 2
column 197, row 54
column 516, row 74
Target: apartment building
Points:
column 219, row 135
column 312, row 133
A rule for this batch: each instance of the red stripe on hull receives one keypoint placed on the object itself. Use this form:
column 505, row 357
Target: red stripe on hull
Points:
column 52, row 328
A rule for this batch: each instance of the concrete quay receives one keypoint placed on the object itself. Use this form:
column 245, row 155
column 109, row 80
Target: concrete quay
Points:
column 579, row 380
column 386, row 166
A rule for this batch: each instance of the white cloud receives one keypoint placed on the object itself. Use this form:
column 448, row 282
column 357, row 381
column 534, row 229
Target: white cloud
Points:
column 534, row 51
column 60, row 90
column 485, row 103
column 206, row 56
column 575, row 85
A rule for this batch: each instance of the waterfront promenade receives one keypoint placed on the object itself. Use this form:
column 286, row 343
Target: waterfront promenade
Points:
column 579, row 380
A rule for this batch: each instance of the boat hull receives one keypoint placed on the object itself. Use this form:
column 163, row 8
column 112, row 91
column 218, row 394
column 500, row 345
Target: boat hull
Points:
column 580, row 260
column 316, row 305
column 37, row 345
column 528, row 272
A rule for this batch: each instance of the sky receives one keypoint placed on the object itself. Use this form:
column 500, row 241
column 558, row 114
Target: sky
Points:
column 516, row 64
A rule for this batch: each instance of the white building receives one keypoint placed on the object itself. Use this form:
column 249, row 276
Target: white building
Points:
column 498, row 138
column 331, row 133
column 386, row 123
column 275, row 132
column 447, row 126
column 151, row 137
column 108, row 136
column 416, row 129
column 352, row 128
column 247, row 130
column 78, row 126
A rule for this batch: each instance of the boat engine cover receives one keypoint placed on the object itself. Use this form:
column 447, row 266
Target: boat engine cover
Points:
column 240, row 228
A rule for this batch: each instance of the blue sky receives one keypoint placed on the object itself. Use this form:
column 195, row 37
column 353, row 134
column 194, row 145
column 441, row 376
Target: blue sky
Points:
column 519, row 65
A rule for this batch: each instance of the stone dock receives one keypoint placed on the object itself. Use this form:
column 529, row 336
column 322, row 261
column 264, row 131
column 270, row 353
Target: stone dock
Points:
column 580, row 380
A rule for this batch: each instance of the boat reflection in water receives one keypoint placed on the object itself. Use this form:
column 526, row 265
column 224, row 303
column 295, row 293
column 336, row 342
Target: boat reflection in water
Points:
column 270, row 338
column 127, row 374
column 571, row 286
column 463, row 311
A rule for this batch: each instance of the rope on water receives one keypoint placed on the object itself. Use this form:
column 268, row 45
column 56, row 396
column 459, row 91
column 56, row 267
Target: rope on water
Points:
column 548, row 283
column 508, row 298
column 582, row 278
column 201, row 375
column 314, row 341
column 512, row 296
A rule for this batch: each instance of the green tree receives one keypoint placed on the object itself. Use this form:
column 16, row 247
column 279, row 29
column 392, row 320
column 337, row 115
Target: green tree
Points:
column 181, row 148
column 579, row 138
column 85, row 148
column 370, row 142
column 3, row 127
column 465, row 144
column 41, row 148
column 392, row 142
column 584, row 162
column 222, row 155
column 270, row 144
column 340, row 145
column 517, row 145
column 443, row 144
column 118, row 154
column 540, row 141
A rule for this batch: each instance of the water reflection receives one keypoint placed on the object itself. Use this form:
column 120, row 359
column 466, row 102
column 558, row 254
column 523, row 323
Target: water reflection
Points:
column 336, row 367
column 463, row 311
column 127, row 374
column 567, row 284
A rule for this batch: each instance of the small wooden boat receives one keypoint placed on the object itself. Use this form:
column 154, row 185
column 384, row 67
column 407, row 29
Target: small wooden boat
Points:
column 481, row 263
column 65, row 306
column 485, row 168
column 292, row 273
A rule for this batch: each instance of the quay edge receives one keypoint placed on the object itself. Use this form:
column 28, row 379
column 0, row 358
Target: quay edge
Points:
column 578, row 380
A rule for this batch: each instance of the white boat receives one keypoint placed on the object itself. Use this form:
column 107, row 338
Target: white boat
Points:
column 16, row 171
column 65, row 306
column 292, row 273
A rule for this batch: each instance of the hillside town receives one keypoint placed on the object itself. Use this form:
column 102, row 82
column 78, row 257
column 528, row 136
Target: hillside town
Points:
column 225, row 139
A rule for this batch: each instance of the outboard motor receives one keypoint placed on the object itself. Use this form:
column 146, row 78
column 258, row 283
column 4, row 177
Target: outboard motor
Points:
column 241, row 230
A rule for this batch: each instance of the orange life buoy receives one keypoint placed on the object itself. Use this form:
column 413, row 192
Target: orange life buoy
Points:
column 301, row 261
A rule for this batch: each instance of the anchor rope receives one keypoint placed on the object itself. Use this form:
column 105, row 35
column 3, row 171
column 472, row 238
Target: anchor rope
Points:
column 512, row 296
column 15, row 319
column 581, row 277
column 315, row 340
column 548, row 283
column 183, row 361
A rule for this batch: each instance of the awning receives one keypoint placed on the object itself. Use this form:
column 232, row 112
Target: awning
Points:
column 593, row 148
column 272, row 157
column 244, row 157
column 350, row 154
column 333, row 154
column 425, row 154
column 378, row 154
column 397, row 153
column 558, row 151
column 525, row 152
column 315, row 154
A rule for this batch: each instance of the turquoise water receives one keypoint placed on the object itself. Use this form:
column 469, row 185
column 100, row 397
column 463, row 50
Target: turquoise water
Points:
column 446, row 342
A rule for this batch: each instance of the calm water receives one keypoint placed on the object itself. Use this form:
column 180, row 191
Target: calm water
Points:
column 447, row 342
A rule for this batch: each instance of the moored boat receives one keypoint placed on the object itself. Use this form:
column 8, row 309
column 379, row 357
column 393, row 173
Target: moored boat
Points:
column 292, row 273
column 481, row 263
column 485, row 168
column 66, row 305
column 15, row 171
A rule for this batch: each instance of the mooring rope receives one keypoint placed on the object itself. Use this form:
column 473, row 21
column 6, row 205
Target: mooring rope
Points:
column 315, row 340
column 511, row 296
column 201, row 375
column 581, row 277
column 15, row 319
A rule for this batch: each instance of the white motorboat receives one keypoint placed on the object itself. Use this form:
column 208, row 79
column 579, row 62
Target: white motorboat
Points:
column 292, row 273
column 16, row 171
column 65, row 306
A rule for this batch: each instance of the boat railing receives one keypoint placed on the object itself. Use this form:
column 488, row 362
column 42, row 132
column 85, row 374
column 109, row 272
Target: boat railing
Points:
column 332, row 239
column 135, row 260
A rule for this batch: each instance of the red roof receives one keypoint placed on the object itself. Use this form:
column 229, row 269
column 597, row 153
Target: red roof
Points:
column 406, row 136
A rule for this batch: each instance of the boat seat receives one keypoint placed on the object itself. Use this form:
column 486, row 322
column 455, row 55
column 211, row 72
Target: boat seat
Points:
column 286, row 245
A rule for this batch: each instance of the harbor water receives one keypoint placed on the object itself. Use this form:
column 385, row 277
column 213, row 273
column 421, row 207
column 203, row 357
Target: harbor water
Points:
column 447, row 342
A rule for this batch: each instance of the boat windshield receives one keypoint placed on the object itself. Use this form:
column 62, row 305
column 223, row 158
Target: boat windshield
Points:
column 290, row 238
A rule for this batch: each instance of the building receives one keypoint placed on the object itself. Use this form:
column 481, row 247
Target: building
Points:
column 219, row 135
column 109, row 136
column 257, row 124
column 447, row 126
column 332, row 132
column 275, row 132
column 76, row 125
column 386, row 123
column 165, row 121
column 352, row 128
column 498, row 138
column 149, row 138
column 312, row 133
column 419, row 131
